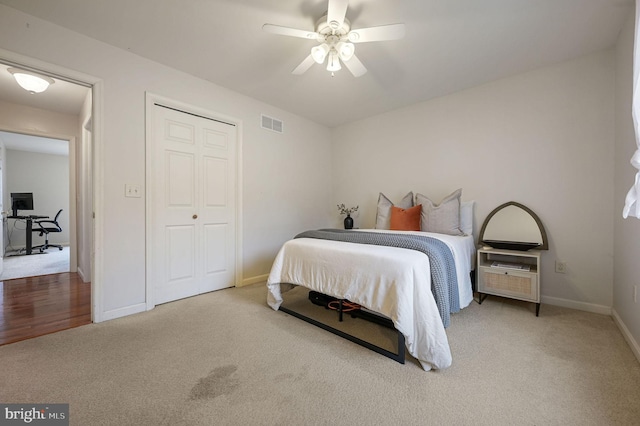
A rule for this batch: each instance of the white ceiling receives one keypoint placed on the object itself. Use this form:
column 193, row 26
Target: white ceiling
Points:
column 450, row 45
column 21, row 142
column 61, row 96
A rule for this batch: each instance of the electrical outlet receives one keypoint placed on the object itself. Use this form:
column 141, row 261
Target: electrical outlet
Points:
column 561, row 267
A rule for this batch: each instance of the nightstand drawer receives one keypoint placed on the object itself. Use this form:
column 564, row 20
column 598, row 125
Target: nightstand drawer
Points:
column 503, row 282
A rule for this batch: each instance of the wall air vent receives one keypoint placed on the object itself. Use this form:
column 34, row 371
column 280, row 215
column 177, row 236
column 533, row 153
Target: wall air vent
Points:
column 271, row 123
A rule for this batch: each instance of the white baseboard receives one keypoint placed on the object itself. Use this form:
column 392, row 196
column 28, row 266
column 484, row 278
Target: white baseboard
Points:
column 635, row 347
column 123, row 312
column 598, row 309
column 581, row 306
column 254, row 280
column 85, row 278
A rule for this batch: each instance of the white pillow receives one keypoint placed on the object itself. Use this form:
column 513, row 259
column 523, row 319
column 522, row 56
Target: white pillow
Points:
column 466, row 217
column 383, row 215
column 443, row 218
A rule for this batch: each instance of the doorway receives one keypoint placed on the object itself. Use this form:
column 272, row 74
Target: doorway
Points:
column 38, row 166
column 63, row 112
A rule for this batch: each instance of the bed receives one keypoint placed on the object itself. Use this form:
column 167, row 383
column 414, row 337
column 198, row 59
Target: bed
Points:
column 393, row 281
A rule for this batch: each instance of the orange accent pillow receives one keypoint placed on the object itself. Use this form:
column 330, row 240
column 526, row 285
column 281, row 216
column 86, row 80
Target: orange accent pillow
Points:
column 406, row 219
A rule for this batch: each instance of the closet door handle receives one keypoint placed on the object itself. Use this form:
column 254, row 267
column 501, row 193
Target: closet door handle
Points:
column 195, row 216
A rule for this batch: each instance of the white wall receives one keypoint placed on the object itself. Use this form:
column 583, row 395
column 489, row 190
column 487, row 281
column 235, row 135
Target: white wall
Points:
column 47, row 177
column 544, row 139
column 627, row 232
column 286, row 178
column 24, row 119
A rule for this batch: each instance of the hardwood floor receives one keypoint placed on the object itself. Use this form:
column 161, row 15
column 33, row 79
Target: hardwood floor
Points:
column 41, row 305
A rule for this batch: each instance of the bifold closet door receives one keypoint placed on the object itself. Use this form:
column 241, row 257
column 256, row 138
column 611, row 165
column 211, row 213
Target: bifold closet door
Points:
column 193, row 205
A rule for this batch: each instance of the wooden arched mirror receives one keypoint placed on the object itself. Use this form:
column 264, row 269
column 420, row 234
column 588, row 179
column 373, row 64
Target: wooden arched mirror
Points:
column 513, row 226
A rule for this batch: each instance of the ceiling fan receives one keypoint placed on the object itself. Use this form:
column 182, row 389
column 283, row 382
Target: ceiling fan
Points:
column 333, row 32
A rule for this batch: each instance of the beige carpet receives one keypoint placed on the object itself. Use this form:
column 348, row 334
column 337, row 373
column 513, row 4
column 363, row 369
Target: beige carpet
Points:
column 226, row 358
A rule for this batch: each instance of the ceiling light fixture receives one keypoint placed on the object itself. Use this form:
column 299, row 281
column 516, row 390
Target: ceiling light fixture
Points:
column 333, row 64
column 335, row 50
column 320, row 52
column 346, row 50
column 333, row 32
column 31, row 82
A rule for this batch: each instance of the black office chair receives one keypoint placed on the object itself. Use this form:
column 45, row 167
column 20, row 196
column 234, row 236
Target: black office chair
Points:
column 45, row 227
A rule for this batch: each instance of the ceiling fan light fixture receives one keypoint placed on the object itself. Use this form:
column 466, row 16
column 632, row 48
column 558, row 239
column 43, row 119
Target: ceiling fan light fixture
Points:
column 336, row 39
column 31, row 82
column 334, row 62
column 319, row 53
column 345, row 50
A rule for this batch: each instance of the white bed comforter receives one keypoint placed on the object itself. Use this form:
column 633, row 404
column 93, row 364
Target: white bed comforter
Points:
column 392, row 281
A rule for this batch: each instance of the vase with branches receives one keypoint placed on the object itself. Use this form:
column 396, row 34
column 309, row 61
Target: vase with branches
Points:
column 348, row 221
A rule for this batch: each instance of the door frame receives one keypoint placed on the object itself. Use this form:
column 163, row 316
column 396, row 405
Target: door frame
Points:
column 150, row 100
column 71, row 187
column 96, row 85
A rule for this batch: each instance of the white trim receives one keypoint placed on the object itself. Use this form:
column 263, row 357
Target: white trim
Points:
column 239, row 205
column 635, row 347
column 97, row 261
column 85, row 277
column 254, row 280
column 581, row 306
column 85, row 195
column 150, row 100
column 97, row 98
column 149, row 173
column 123, row 312
column 73, row 205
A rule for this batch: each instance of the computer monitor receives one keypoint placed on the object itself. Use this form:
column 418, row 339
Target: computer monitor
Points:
column 21, row 201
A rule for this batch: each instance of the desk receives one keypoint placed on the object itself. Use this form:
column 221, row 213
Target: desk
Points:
column 29, row 219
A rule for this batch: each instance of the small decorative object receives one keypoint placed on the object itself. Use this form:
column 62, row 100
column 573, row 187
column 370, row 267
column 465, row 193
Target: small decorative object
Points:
column 348, row 221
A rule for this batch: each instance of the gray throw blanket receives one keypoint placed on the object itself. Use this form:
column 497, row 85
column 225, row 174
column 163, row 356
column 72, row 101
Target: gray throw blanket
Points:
column 444, row 281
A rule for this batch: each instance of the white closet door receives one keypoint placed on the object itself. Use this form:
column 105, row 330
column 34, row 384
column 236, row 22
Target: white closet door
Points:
column 194, row 205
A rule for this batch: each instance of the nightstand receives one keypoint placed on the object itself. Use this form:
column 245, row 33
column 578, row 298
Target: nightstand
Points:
column 509, row 273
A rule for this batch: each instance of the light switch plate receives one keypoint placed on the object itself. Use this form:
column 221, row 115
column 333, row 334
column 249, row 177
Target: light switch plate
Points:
column 131, row 190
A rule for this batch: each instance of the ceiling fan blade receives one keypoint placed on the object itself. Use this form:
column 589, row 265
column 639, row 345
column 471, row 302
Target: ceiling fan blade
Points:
column 381, row 33
column 293, row 32
column 304, row 65
column 337, row 12
column 355, row 66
